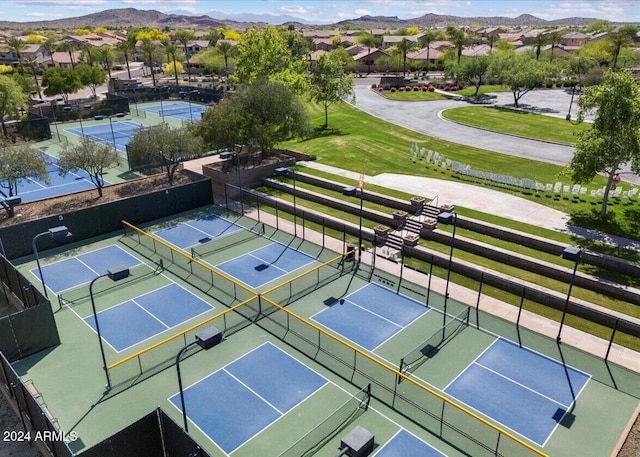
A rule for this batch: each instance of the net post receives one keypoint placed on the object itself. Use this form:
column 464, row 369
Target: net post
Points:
column 400, row 370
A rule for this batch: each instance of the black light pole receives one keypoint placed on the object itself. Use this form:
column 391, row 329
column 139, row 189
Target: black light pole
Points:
column 206, row 339
column 58, row 234
column 113, row 136
column 295, row 218
column 570, row 253
column 448, row 217
column 55, row 122
column 573, row 92
column 115, row 274
column 351, row 192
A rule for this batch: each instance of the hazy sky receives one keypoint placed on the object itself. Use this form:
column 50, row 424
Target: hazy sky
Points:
column 333, row 10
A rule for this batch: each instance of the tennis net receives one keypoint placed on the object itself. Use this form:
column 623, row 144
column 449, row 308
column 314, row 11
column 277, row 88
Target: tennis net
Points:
column 180, row 263
column 429, row 347
column 315, row 439
column 80, row 294
column 171, row 111
column 232, row 236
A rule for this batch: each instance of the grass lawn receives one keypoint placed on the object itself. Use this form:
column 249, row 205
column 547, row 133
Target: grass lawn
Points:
column 413, row 95
column 358, row 142
column 521, row 123
column 471, row 90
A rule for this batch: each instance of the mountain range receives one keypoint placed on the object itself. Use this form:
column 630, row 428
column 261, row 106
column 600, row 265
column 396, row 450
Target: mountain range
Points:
column 132, row 17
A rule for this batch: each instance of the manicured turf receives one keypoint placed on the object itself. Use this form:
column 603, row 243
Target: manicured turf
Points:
column 521, row 123
column 356, row 141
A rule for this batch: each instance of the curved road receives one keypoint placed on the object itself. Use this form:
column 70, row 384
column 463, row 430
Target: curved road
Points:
column 424, row 117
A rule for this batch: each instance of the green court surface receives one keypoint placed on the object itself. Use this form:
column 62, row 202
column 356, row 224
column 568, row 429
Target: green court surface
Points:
column 346, row 323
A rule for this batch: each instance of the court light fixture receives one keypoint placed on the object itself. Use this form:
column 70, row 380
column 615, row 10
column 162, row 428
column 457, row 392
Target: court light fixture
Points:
column 206, row 339
column 55, row 233
column 115, row 274
column 573, row 254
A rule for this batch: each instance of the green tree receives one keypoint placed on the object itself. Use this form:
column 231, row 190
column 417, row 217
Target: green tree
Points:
column 106, row 56
column 619, row 39
column 227, row 50
column 12, row 98
column 539, row 41
column 265, row 113
column 90, row 76
column 69, row 47
column 165, row 146
column 614, row 137
column 90, row 156
column 148, row 48
column 369, row 41
column 184, row 37
column 266, row 54
column 61, row 82
column 425, row 41
column 50, row 46
column 599, row 26
column 16, row 45
column 458, row 39
column 127, row 47
column 20, row 161
column 329, row 83
column 32, row 64
column 405, row 46
column 172, row 50
column 472, row 70
column 554, row 39
column 520, row 72
column 492, row 38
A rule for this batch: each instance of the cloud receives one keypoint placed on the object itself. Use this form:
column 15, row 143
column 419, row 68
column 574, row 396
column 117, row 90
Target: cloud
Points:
column 293, row 9
column 63, row 3
column 362, row 12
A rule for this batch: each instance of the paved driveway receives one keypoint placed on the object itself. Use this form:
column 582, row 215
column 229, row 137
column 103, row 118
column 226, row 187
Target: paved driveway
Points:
column 424, row 117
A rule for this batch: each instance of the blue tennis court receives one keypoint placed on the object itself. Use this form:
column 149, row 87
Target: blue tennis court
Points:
column 519, row 388
column 235, row 403
column 405, row 444
column 33, row 189
column 370, row 315
column 181, row 110
column 266, row 264
column 136, row 320
column 81, row 269
column 118, row 133
column 195, row 232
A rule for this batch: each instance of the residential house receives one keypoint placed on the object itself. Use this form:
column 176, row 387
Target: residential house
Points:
column 195, row 46
column 392, row 40
column 427, row 57
column 367, row 58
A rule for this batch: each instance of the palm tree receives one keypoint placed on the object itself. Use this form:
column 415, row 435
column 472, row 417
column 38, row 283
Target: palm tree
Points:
column 458, row 39
column 212, row 37
column 67, row 46
column 50, row 46
column 126, row 47
column 491, row 39
column 87, row 48
column 368, row 40
column 425, row 41
column 226, row 49
column 539, row 41
column 621, row 37
column 148, row 47
column 171, row 50
column 554, row 39
column 404, row 46
column 184, row 37
column 105, row 53
column 16, row 45
column 32, row 63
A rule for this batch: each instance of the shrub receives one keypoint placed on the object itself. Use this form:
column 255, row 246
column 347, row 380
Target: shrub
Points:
column 374, row 86
column 400, row 89
column 380, row 89
column 393, row 89
column 425, row 89
column 416, row 89
column 446, row 88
